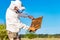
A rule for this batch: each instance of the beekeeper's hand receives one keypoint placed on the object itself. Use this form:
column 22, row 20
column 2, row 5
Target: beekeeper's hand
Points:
column 31, row 17
column 32, row 29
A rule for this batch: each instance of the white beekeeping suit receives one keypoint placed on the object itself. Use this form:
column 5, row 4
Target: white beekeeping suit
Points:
column 12, row 21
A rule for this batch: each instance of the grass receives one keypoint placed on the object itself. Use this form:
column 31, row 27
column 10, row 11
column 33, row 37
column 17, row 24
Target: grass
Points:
column 41, row 39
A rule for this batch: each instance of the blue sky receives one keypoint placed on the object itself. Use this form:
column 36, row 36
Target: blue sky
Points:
column 49, row 9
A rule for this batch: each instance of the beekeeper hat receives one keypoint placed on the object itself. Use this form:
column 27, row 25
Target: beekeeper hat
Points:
column 18, row 4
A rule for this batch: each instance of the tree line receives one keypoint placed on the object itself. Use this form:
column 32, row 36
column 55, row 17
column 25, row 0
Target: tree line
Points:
column 3, row 34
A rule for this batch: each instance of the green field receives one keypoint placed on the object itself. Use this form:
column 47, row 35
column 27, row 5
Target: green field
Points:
column 39, row 39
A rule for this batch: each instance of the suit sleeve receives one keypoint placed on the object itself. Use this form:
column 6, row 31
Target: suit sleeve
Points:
column 23, row 15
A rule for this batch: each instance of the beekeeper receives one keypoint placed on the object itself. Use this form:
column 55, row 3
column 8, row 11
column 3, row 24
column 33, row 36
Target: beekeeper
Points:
column 13, row 23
